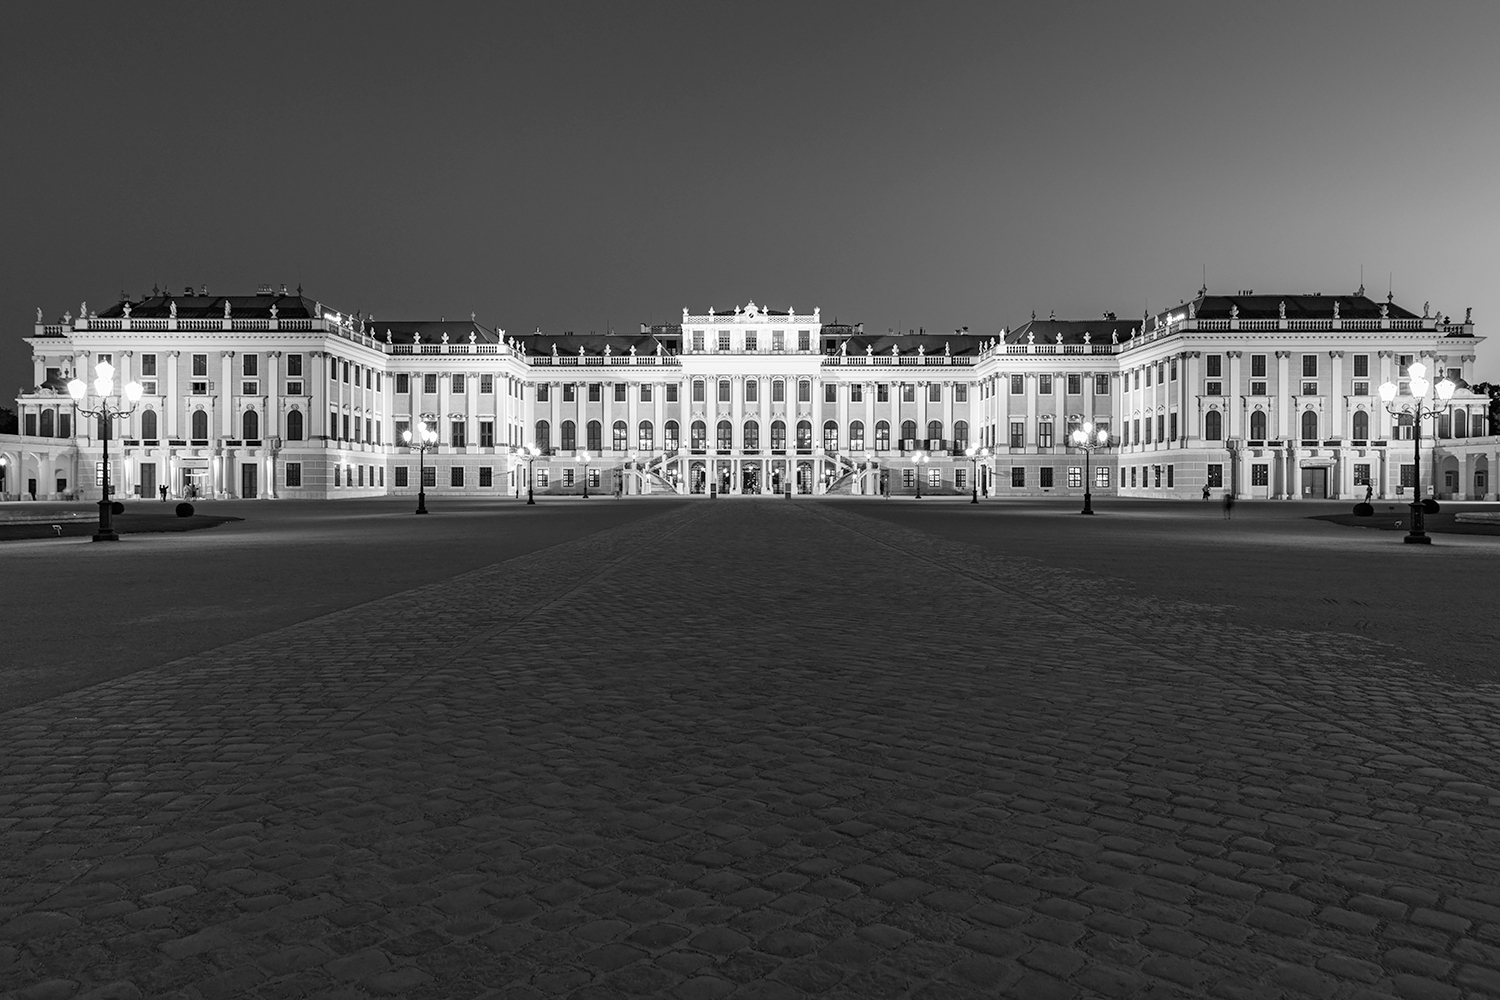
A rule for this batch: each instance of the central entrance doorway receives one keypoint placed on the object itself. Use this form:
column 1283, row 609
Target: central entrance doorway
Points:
column 1315, row 484
column 750, row 478
column 248, row 481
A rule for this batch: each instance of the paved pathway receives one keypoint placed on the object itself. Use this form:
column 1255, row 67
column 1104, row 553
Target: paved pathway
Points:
column 756, row 750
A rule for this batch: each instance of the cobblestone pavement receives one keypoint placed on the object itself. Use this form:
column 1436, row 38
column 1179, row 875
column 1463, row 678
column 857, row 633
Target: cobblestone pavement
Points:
column 757, row 750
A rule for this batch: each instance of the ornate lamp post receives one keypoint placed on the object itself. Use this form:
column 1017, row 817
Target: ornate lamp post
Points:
column 975, row 454
column 583, row 457
column 104, row 387
column 1420, row 409
column 424, row 437
column 919, row 458
column 1086, row 439
column 530, row 453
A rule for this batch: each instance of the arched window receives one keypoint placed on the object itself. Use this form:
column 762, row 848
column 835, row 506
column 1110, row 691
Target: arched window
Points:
column 960, row 434
column 725, row 435
column 669, row 436
column 1309, row 425
column 908, row 432
column 700, row 436
column 1213, row 426
column 882, row 435
column 200, row 425
column 596, row 436
column 645, row 436
column 148, row 424
column 778, row 435
column 830, row 435
column 543, row 437
column 621, row 435
column 47, row 418
column 1258, row 424
column 752, row 436
column 857, row 435
column 250, row 425
column 804, row 434
column 1461, row 423
column 778, row 391
column 1361, row 424
column 935, row 430
column 294, row 425
column 569, row 436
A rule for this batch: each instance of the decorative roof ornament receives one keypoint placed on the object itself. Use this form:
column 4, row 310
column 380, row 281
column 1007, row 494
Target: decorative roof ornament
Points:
column 1031, row 336
column 843, row 348
column 1114, row 336
column 1281, row 309
column 1234, row 311
column 607, row 351
column 126, row 310
column 172, row 308
column 1087, row 337
column 1052, row 316
column 580, row 352
column 83, row 309
column 39, row 314
column 388, row 338
column 554, row 348
column 869, row 348
column 658, row 348
column 472, row 337
column 1385, row 311
column 226, row 307
column 416, row 337
column 1192, row 311
column 895, row 351
column 1059, row 338
column 946, row 353
column 1468, row 315
column 1335, row 308
column 1426, row 309
column 445, row 336
column 921, row 351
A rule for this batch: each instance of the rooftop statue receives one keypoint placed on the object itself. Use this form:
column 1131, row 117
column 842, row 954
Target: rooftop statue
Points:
column 273, row 310
column 1114, row 336
column 1335, row 308
column 83, row 310
column 607, row 351
column 946, row 352
column 172, row 308
column 388, row 339
column 632, row 350
column 1385, row 311
column 1234, row 311
column 126, row 310
column 226, row 308
column 39, row 314
column 1281, row 309
column 1469, row 315
column 1426, row 308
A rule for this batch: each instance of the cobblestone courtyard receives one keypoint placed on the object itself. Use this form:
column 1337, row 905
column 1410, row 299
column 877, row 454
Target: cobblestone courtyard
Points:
column 758, row 749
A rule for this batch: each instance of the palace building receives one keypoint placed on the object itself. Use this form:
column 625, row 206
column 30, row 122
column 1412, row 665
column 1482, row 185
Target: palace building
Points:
column 277, row 395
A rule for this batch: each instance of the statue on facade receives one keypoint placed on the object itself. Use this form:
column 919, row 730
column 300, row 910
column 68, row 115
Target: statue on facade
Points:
column 1192, row 311
column 172, row 308
column 895, row 350
column 416, row 338
column 472, row 338
column 921, row 351
column 1335, row 308
column 1234, row 311
column 946, row 353
column 1281, row 309
column 388, row 339
column 632, row 352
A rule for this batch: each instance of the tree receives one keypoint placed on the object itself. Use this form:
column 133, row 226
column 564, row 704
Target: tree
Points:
column 8, row 421
column 1490, row 389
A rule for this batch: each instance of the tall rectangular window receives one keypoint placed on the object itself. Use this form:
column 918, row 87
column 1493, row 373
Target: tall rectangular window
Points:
column 883, row 392
column 486, row 385
column 1044, row 477
column 294, row 366
column 1361, row 474
column 1257, row 366
column 401, row 474
column 1017, row 476
column 596, row 391
column 830, row 392
column 200, row 366
column 646, row 392
column 1260, row 474
column 251, row 363
column 672, row 392
column 934, row 392
column 1075, row 385
column 148, row 365
column 1215, row 475
column 960, row 393
column 294, row 473
column 1018, row 434
column 620, row 392
column 429, row 384
column 429, row 475
column 723, row 340
column 1101, row 385
column 1018, row 385
column 1309, row 366
column 486, row 475
column 543, row 392
column 908, row 393
column 698, row 391
column 804, row 340
column 749, row 340
column 804, row 391
column 456, row 476
column 457, row 433
column 1075, row 477
column 1213, row 365
column 486, row 434
column 1044, row 433
column 1101, row 477
column 698, row 340
column 403, row 381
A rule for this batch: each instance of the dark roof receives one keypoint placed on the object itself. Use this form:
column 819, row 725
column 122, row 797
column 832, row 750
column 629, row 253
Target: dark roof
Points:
column 432, row 330
column 595, row 343
column 1357, row 306
column 908, row 343
column 159, row 306
column 1074, row 331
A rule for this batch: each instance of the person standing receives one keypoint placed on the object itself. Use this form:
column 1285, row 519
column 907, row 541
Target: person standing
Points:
column 1205, row 493
column 162, row 489
column 1228, row 504
column 1369, row 492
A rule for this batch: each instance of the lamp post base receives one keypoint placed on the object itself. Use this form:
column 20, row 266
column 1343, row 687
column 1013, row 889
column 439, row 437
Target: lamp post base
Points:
column 106, row 536
column 106, row 532
column 1417, row 535
column 1418, row 539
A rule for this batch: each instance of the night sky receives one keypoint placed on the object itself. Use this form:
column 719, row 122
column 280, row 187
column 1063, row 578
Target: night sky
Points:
column 581, row 166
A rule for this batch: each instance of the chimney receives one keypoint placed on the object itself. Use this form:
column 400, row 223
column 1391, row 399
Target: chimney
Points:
column 187, row 292
column 266, row 290
column 283, row 288
column 203, row 291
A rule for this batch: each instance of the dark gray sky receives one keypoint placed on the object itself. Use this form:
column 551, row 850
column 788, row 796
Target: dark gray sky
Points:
column 574, row 165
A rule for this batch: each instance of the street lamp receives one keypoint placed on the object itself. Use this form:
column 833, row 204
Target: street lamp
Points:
column 919, row 458
column 1420, row 409
column 975, row 454
column 1086, row 439
column 583, row 457
column 424, row 437
column 530, row 453
column 104, row 387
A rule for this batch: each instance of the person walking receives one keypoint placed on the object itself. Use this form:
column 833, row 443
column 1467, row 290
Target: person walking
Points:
column 1205, row 493
column 1228, row 504
column 1369, row 492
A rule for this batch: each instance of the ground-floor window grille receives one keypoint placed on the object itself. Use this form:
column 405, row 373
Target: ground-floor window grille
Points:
column 486, row 476
column 1260, row 474
column 1045, row 477
column 294, row 473
column 401, row 476
column 567, row 476
column 960, row 478
column 429, row 475
column 934, row 477
column 1017, row 476
column 1215, row 475
column 1361, row 473
column 908, row 478
column 1101, row 477
column 456, row 476
column 1075, row 477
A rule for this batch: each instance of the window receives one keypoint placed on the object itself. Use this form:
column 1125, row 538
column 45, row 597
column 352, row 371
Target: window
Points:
column 1075, row 477
column 1257, row 366
column 778, row 391
column 1403, row 427
column 830, row 435
column 1260, row 474
column 28, row 425
column 344, row 371
column 1408, row 476
column 1361, row 388
column 486, row 476
column 646, row 393
column 1075, row 385
column 669, row 436
column 908, row 432
column 1213, row 388
column 456, row 433
column 1101, row 385
column 1044, row 433
column 1101, row 477
column 804, row 391
column 908, row 393
column 596, row 391
column 882, row 435
column 1135, row 431
column 778, row 340
column 429, row 475
column 960, row 478
column 486, row 434
column 856, row 393
column 1309, row 366
column 645, row 436
column 934, row 392
column 1361, row 366
column 594, row 478
column 1174, row 369
column 1148, row 430
column 752, row 436
column 723, row 340
column 1018, row 385
column 1045, row 477
column 934, row 476
column 1309, row 427
column 250, row 425
column 1257, row 388
column 1136, row 378
column 1017, row 476
column 672, row 392
column 804, row 435
column 1018, row 434
column 699, row 393
column 1148, row 376
column 1213, row 426
column 1361, row 426
column 401, row 474
column 1309, row 388
column 148, row 425
column 804, row 340
column 934, row 430
column 200, row 365
column 1156, row 476
column 294, row 473
column 249, row 388
column 456, row 476
column 595, row 436
column 543, row 478
column 749, row 340
column 543, row 392
column 1258, row 425
column 619, row 392
column 250, row 365
column 724, row 390
column 830, row 392
column 429, row 384
column 778, row 436
column 908, row 478
column 620, row 435
column 1213, row 366
column 148, row 365
column 697, row 340
column 699, row 440
column 1161, row 419
column 960, row 434
column 1172, row 425
column 199, row 424
column 752, row 389
column 1361, row 474
column 1133, row 472
column 486, row 384
column 1215, row 475
column 543, row 438
column 857, row 435
column 569, row 436
column 403, row 381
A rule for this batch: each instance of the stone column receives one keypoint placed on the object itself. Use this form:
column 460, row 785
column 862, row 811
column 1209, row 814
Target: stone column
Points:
column 1381, row 427
column 226, row 394
column 172, row 404
column 1284, row 392
column 1335, row 423
column 1031, row 411
column 1234, row 398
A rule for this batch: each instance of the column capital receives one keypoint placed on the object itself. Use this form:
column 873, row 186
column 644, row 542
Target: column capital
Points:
column 1335, row 354
column 1234, row 354
column 226, row 354
column 274, row 354
column 1283, row 354
column 1386, row 354
column 174, row 354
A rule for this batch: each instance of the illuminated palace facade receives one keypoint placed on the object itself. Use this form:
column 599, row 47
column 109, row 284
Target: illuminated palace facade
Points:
column 275, row 395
